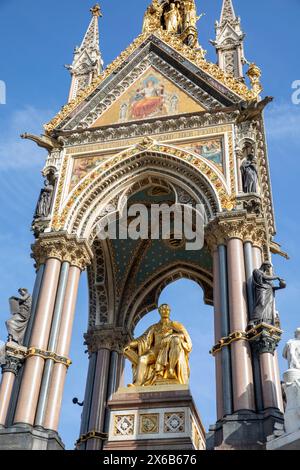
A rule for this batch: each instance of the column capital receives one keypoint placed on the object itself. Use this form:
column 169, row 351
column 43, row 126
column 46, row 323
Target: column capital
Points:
column 14, row 358
column 240, row 225
column 107, row 337
column 64, row 247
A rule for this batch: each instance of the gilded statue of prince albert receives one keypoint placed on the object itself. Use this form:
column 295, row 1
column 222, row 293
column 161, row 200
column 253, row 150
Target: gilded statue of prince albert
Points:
column 161, row 354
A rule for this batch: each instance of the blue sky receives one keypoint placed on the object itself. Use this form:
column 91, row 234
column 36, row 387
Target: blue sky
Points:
column 37, row 39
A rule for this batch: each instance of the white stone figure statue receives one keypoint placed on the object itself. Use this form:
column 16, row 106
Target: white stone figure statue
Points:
column 291, row 351
column 292, row 384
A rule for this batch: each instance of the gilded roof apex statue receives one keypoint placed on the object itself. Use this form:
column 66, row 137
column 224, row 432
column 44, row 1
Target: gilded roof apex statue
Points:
column 175, row 17
column 96, row 10
column 161, row 355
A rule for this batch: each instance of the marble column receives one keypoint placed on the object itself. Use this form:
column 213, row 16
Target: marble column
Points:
column 32, row 378
column 86, row 413
column 6, row 387
column 99, row 399
column 18, row 380
column 218, row 335
column 56, row 388
column 52, row 345
column 225, row 331
column 242, row 374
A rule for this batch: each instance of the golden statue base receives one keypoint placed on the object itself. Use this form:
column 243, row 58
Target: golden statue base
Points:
column 159, row 417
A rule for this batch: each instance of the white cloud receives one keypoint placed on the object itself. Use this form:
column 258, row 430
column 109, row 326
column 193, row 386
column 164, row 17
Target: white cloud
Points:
column 283, row 121
column 16, row 153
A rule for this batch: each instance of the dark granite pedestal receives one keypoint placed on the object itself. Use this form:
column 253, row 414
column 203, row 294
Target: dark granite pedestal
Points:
column 243, row 430
column 24, row 437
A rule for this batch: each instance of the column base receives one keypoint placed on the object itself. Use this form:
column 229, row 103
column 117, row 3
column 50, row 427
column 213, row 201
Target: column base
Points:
column 244, row 430
column 25, row 437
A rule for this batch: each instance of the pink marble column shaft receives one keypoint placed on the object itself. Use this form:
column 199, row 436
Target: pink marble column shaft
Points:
column 6, row 387
column 56, row 389
column 31, row 382
column 218, row 335
column 242, row 374
column 257, row 257
column 268, row 378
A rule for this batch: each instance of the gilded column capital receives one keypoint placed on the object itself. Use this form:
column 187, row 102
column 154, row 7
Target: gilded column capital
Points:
column 107, row 337
column 240, row 225
column 64, row 247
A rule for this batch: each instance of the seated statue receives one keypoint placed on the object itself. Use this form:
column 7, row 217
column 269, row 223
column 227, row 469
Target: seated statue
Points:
column 20, row 308
column 161, row 354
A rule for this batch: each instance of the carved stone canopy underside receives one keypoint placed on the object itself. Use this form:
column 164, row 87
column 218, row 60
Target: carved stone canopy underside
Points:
column 127, row 277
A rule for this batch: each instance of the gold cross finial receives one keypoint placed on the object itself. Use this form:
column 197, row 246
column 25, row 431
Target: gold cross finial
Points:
column 96, row 10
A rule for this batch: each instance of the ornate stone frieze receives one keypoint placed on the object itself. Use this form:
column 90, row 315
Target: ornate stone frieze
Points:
column 239, row 224
column 107, row 337
column 64, row 247
column 146, row 128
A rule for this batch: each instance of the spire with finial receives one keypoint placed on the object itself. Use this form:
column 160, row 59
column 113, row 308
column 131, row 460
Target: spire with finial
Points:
column 229, row 42
column 227, row 13
column 87, row 63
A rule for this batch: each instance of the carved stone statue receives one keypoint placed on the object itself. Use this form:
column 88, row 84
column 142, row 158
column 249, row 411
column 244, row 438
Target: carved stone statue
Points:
column 250, row 175
column 173, row 19
column 292, row 385
column 45, row 201
column 20, row 308
column 161, row 354
column 264, row 295
column 291, row 351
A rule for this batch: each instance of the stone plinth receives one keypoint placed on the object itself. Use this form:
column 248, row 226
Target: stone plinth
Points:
column 289, row 437
column 154, row 418
column 24, row 437
column 285, row 442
